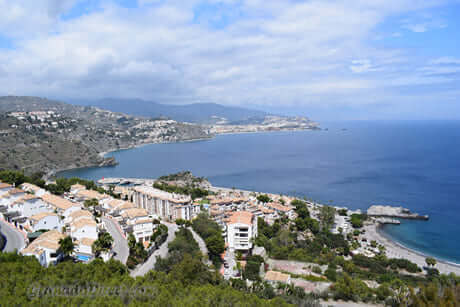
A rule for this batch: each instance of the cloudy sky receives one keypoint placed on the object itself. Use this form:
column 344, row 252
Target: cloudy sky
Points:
column 338, row 59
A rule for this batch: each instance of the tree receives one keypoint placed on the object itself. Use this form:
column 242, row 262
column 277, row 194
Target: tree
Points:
column 66, row 246
column 103, row 243
column 430, row 261
column 215, row 245
column 326, row 217
column 263, row 198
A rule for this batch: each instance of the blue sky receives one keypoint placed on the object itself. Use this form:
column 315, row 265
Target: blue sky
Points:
column 327, row 59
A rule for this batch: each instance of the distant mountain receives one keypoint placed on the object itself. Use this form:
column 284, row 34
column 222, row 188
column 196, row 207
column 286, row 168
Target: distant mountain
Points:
column 38, row 134
column 206, row 113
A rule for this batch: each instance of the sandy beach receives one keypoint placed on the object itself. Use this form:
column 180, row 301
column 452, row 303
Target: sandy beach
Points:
column 396, row 250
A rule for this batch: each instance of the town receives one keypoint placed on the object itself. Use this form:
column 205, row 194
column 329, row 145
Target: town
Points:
column 101, row 225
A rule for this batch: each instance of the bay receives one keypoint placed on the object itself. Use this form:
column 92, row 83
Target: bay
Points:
column 415, row 164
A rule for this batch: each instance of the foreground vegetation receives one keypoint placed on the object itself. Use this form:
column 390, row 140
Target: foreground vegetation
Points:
column 187, row 284
column 396, row 282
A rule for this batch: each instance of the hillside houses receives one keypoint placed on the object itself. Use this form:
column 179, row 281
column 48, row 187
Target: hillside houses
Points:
column 45, row 248
column 45, row 221
column 61, row 205
column 138, row 222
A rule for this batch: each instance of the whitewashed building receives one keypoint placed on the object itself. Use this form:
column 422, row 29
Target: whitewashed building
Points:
column 45, row 248
column 45, row 220
column 139, row 224
column 164, row 205
column 241, row 229
column 83, row 228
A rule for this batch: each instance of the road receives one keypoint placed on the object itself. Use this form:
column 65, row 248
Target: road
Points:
column 120, row 244
column 14, row 238
column 202, row 245
column 162, row 252
column 230, row 259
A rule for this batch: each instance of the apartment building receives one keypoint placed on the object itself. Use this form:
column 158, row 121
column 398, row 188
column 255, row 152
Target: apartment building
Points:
column 161, row 204
column 241, row 229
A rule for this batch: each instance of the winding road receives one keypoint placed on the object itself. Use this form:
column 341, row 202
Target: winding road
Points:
column 120, row 244
column 162, row 252
column 14, row 238
column 202, row 245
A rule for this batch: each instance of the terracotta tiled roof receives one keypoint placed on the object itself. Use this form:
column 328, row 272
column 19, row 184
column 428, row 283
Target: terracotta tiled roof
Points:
column 15, row 191
column 30, row 197
column 276, row 276
column 42, row 215
column 79, row 213
column 90, row 194
column 279, row 207
column 49, row 240
column 135, row 212
column 241, row 217
column 83, row 222
column 30, row 187
column 57, row 201
column 5, row 185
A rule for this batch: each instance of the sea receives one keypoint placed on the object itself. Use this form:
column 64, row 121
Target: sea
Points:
column 355, row 164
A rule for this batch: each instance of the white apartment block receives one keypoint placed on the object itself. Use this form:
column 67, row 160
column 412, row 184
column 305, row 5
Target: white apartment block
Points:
column 162, row 204
column 241, row 229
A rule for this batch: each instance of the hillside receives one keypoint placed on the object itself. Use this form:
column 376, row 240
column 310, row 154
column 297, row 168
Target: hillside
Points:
column 38, row 134
column 204, row 113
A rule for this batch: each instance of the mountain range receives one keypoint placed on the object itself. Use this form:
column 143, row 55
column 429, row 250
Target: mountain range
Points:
column 203, row 113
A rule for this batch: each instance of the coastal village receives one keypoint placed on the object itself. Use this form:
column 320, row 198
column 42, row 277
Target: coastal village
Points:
column 136, row 209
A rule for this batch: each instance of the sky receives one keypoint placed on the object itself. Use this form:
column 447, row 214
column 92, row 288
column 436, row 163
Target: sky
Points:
column 326, row 59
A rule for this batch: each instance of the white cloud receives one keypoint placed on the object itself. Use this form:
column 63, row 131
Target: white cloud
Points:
column 277, row 53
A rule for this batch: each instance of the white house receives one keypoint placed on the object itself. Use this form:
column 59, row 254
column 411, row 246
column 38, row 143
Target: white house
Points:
column 83, row 249
column 83, row 228
column 45, row 220
column 30, row 205
column 241, row 228
column 32, row 188
column 11, row 196
column 45, row 248
column 76, row 215
column 139, row 224
column 62, row 206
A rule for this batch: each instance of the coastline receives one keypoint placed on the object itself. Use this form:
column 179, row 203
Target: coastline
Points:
column 395, row 249
column 103, row 154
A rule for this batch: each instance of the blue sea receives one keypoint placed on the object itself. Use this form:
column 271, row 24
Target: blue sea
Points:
column 415, row 164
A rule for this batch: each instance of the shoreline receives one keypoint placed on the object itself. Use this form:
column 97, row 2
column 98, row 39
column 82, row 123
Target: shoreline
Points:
column 394, row 249
column 103, row 154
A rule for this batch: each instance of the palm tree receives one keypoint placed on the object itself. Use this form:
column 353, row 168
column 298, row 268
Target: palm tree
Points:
column 430, row 261
column 103, row 243
column 66, row 246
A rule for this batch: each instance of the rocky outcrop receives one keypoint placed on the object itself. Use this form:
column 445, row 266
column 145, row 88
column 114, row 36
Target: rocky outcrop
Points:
column 394, row 212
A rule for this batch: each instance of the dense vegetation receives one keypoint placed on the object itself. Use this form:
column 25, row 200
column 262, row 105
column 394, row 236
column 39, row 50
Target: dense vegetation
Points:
column 187, row 284
column 61, row 186
column 159, row 236
column 194, row 192
column 137, row 252
column 399, row 281
column 211, row 233
column 182, row 247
